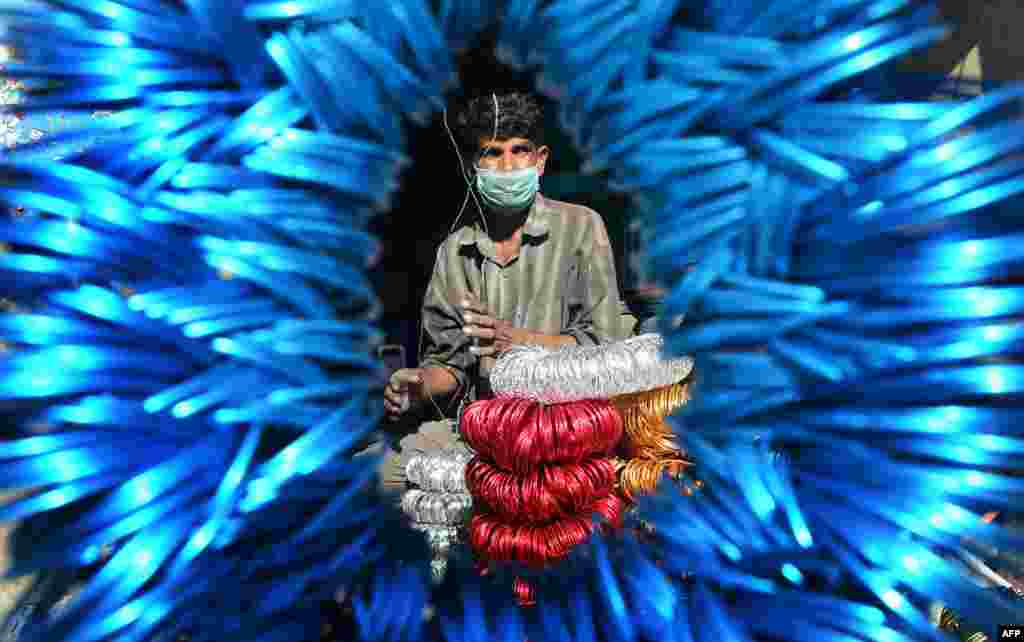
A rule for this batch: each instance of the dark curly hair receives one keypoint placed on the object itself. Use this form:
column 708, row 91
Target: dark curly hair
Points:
column 519, row 116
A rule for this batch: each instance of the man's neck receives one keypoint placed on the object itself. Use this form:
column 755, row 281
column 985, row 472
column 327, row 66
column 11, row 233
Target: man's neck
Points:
column 504, row 227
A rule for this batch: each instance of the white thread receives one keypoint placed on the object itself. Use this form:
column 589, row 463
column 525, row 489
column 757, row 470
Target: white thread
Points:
column 451, row 229
column 497, row 110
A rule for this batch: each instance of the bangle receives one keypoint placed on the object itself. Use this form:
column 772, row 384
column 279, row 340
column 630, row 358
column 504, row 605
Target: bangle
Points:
column 574, row 373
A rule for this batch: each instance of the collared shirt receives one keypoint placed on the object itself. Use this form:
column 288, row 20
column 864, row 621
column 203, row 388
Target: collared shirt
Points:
column 562, row 282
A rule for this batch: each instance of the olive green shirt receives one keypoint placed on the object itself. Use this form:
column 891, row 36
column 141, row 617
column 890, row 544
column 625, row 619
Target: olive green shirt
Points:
column 562, row 282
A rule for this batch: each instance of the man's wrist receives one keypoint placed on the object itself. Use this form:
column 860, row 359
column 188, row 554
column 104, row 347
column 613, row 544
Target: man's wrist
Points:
column 549, row 340
column 438, row 382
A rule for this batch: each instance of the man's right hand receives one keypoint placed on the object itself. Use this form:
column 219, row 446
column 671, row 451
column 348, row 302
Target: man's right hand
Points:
column 403, row 392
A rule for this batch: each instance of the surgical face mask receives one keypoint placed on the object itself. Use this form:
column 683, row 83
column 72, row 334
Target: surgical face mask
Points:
column 508, row 192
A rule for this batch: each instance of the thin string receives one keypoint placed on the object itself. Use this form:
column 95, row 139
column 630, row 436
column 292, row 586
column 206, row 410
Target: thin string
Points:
column 484, row 295
column 497, row 110
column 451, row 229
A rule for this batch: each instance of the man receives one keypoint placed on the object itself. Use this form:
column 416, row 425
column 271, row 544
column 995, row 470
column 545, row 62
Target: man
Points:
column 530, row 271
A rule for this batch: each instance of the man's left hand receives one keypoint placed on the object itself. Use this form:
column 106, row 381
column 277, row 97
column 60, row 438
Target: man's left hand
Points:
column 495, row 335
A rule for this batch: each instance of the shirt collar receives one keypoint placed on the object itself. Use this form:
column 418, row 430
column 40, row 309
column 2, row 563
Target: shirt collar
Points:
column 536, row 225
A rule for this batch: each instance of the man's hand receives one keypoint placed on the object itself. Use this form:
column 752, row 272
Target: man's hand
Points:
column 403, row 390
column 495, row 336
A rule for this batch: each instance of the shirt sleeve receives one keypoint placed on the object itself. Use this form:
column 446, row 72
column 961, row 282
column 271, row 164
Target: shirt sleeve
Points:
column 603, row 317
column 444, row 344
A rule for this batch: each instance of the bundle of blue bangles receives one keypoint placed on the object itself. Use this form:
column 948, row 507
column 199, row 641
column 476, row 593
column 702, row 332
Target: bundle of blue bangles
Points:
column 186, row 359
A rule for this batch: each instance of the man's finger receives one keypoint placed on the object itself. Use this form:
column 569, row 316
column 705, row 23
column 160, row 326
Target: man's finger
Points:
column 473, row 318
column 469, row 305
column 398, row 406
column 481, row 333
column 475, row 331
column 482, row 351
column 406, row 377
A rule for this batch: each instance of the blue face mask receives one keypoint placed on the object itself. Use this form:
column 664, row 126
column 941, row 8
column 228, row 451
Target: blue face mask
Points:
column 508, row 192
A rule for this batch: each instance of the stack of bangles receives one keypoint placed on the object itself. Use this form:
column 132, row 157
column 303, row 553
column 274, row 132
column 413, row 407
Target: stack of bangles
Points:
column 649, row 450
column 569, row 438
column 541, row 475
column 437, row 502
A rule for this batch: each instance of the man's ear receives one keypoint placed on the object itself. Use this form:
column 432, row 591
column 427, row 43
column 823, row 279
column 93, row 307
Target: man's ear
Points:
column 542, row 158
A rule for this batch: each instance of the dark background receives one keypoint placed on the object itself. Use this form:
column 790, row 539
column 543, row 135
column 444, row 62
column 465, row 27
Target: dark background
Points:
column 432, row 191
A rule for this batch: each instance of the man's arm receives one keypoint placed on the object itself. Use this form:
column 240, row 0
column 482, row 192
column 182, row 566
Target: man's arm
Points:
column 438, row 383
column 412, row 388
column 497, row 335
column 600, row 319
column 445, row 358
column 549, row 341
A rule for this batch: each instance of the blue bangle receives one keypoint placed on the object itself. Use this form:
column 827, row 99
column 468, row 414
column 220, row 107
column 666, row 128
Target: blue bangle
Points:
column 187, row 368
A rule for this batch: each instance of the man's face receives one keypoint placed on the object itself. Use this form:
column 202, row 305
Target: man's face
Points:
column 511, row 154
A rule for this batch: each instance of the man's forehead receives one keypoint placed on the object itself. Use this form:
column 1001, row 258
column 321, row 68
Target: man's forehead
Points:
column 487, row 141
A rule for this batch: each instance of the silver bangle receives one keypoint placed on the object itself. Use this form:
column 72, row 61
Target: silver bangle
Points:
column 424, row 507
column 442, row 472
column 574, row 373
